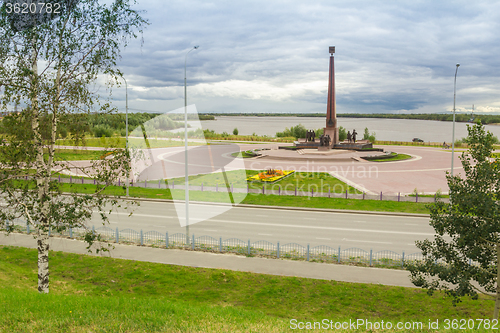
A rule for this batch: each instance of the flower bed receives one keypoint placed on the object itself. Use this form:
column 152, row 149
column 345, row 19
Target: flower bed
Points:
column 270, row 176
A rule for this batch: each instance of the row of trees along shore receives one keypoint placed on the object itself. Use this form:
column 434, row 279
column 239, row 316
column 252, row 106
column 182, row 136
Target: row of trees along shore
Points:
column 99, row 124
column 459, row 117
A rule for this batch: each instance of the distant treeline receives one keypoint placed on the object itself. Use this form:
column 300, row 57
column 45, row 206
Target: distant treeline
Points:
column 459, row 117
column 99, row 125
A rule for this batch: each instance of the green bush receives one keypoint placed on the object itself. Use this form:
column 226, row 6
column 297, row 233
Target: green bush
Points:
column 102, row 131
column 342, row 133
column 235, row 131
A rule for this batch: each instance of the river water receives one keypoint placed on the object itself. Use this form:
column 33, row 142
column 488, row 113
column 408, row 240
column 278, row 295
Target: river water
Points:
column 385, row 129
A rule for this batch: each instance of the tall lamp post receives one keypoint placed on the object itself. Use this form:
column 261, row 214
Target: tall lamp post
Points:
column 186, row 178
column 453, row 135
column 126, row 130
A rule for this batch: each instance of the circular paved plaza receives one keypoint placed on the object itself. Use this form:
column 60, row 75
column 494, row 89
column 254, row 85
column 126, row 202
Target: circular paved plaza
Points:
column 425, row 171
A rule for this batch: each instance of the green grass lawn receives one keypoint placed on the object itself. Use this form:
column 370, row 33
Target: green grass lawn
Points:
column 76, row 154
column 119, row 142
column 395, row 157
column 260, row 199
column 243, row 154
column 100, row 294
column 305, row 181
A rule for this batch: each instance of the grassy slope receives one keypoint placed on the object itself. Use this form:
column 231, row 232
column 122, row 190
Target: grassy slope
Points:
column 113, row 295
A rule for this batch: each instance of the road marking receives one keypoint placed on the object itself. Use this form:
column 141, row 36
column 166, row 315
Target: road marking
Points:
column 360, row 241
column 147, row 215
column 324, row 228
column 323, row 238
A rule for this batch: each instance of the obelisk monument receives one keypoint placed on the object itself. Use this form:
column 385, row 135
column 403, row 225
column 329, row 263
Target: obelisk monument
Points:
column 331, row 115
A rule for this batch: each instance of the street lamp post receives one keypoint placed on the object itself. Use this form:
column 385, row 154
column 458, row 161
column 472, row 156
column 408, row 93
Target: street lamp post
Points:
column 453, row 135
column 126, row 131
column 186, row 178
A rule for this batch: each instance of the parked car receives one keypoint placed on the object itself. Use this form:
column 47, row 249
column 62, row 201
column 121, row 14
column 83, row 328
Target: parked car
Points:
column 417, row 140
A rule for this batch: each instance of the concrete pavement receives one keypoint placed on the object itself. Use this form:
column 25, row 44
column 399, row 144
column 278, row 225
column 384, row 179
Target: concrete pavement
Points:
column 279, row 267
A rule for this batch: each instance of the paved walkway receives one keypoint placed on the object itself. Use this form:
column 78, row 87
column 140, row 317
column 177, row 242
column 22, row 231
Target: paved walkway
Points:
column 390, row 277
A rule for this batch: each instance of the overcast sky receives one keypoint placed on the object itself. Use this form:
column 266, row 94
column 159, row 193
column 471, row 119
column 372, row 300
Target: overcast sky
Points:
column 272, row 56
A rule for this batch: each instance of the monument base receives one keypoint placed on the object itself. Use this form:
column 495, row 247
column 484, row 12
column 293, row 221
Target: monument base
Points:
column 333, row 132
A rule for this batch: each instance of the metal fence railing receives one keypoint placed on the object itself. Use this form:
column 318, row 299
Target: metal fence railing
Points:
column 262, row 248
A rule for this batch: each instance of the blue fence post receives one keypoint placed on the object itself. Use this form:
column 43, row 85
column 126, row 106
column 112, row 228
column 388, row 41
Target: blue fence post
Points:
column 380, row 195
column 142, row 238
column 312, row 192
column 202, row 187
column 117, row 236
column 59, row 178
column 403, row 260
column 192, row 243
column 346, row 194
column 132, row 183
column 70, row 179
column 166, row 240
column 119, row 183
column 399, row 196
column 278, row 250
column 94, row 181
column 329, row 194
column 363, row 195
column 70, row 232
column 338, row 258
column 82, row 180
column 295, row 190
column 371, row 256
column 28, row 227
column 307, row 252
column 263, row 189
column 416, row 197
column 279, row 189
column 145, row 183
column 249, row 247
column 220, row 244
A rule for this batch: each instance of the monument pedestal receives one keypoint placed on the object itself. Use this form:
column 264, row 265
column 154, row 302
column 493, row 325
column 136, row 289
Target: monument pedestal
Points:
column 333, row 132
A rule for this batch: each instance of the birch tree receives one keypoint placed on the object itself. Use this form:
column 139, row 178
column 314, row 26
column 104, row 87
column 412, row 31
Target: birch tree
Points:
column 463, row 259
column 50, row 65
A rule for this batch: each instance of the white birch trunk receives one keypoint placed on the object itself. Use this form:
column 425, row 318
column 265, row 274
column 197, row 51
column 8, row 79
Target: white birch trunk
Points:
column 43, row 261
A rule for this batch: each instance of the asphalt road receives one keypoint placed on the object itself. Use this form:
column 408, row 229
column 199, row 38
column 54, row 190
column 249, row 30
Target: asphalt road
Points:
column 365, row 231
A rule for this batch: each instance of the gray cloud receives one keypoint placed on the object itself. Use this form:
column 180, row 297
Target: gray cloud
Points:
column 255, row 55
